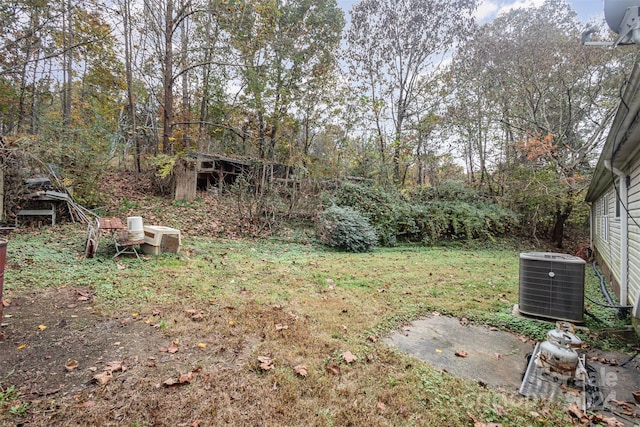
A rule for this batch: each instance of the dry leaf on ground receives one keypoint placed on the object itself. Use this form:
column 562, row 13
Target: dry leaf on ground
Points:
column 71, row 365
column 103, row 377
column 349, row 357
column 461, row 353
column 185, row 378
column 115, row 366
column 266, row 363
column 333, row 369
column 173, row 348
column 300, row 370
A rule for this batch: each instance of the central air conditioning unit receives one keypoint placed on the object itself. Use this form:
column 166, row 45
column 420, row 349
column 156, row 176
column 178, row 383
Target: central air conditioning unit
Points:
column 552, row 286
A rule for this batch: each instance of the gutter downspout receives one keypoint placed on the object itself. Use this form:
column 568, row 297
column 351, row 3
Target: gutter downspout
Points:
column 624, row 234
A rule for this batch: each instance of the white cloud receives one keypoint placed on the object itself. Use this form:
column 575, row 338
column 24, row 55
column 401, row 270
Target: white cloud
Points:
column 518, row 5
column 486, row 9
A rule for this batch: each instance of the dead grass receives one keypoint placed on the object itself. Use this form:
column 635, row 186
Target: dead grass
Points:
column 224, row 303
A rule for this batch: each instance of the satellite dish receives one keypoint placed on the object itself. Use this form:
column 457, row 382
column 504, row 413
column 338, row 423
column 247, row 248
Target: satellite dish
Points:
column 623, row 17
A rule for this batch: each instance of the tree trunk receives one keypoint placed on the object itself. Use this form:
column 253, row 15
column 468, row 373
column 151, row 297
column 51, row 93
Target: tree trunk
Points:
column 184, row 41
column 561, row 216
column 67, row 58
column 131, row 111
column 167, row 82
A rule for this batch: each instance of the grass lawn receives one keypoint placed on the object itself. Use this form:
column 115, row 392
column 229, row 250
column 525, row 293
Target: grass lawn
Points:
column 249, row 332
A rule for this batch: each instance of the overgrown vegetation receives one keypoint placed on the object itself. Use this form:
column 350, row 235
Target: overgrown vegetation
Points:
column 426, row 215
column 227, row 302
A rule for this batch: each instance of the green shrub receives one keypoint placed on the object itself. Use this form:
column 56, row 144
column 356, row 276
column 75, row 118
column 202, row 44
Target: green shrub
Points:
column 344, row 228
column 422, row 215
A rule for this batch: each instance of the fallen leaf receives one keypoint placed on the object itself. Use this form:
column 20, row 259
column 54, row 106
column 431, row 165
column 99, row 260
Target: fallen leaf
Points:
column 333, row 369
column 498, row 356
column 349, row 357
column 381, row 406
column 170, row 382
column 372, row 338
column 232, row 323
column 576, row 412
column 280, row 326
column 266, row 363
column 185, row 378
column 42, row 327
column 71, row 365
column 202, row 345
column 103, row 377
column 156, row 312
column 438, row 350
column 121, row 266
column 115, row 366
column 6, row 302
column 173, row 348
column 464, row 321
column 636, row 396
column 572, row 391
column 87, row 404
column 300, row 370
column 461, row 353
column 22, row 346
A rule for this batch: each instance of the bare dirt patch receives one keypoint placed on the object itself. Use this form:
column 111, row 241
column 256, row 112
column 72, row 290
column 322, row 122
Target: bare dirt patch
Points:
column 68, row 362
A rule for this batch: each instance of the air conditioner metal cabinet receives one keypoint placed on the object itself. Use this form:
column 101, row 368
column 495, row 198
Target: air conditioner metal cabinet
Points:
column 552, row 286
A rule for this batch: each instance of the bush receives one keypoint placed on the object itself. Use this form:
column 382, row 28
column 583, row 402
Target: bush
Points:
column 344, row 228
column 421, row 215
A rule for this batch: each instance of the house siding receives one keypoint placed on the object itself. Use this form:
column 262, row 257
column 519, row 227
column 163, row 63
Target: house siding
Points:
column 607, row 236
column 620, row 153
column 634, row 232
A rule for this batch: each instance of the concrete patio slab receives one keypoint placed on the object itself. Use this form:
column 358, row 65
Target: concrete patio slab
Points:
column 499, row 360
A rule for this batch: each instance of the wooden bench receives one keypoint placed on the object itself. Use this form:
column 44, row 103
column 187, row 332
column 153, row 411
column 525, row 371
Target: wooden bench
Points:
column 38, row 212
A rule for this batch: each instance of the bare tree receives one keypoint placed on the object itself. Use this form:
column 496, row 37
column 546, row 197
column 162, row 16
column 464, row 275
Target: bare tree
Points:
column 393, row 48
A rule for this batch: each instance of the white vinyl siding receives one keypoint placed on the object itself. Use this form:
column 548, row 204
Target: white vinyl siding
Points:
column 634, row 232
column 607, row 231
column 607, row 235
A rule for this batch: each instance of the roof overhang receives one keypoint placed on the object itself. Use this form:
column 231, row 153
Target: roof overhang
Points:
column 623, row 141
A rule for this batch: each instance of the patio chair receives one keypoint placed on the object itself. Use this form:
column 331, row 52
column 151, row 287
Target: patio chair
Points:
column 124, row 245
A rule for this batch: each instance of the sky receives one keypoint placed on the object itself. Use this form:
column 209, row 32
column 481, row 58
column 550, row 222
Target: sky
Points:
column 587, row 9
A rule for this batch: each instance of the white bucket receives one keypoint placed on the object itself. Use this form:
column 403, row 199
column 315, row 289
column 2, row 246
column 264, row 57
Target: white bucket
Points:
column 135, row 228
